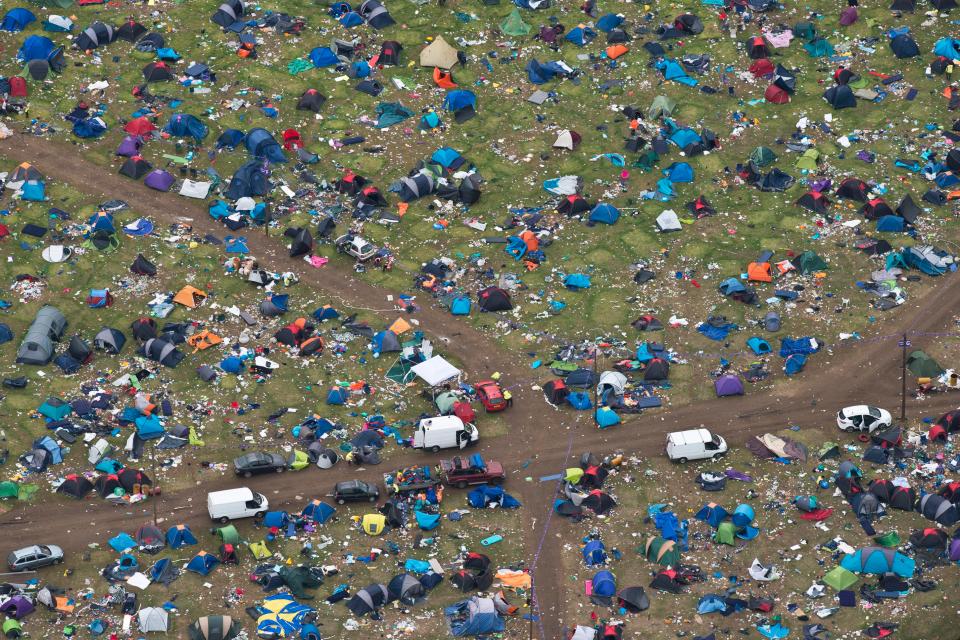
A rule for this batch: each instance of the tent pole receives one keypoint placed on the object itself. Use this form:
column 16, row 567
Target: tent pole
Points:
column 153, row 470
column 903, row 380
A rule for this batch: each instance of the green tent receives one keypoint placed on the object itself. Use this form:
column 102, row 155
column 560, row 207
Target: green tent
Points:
column 661, row 106
column 12, row 628
column 646, row 160
column 890, row 540
column 298, row 580
column 840, row 579
column 8, row 490
column 808, row 161
column 662, row 551
column 63, row 4
column 810, row 262
column 819, row 48
column 228, row 534
column 513, row 24
column 828, row 451
column 763, row 156
column 559, row 367
column 445, row 402
column 923, row 366
column 805, row 31
column 726, row 533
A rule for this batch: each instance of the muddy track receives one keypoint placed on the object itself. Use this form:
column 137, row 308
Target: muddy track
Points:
column 541, row 439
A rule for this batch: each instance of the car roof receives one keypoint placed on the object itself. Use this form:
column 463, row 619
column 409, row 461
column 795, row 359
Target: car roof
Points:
column 690, row 436
column 348, row 484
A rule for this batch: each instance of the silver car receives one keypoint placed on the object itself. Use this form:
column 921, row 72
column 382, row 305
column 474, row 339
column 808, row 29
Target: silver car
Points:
column 34, row 557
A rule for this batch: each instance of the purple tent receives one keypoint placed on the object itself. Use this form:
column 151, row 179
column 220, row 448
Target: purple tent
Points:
column 17, row 607
column 955, row 550
column 848, row 16
column 130, row 146
column 728, row 385
column 159, row 179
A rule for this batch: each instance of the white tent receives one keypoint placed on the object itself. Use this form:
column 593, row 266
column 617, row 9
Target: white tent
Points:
column 567, row 139
column 195, row 189
column 152, row 619
column 435, row 371
column 612, row 380
column 668, row 221
column 584, row 633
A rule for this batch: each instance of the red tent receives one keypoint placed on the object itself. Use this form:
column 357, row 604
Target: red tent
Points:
column 776, row 95
column 140, row 126
column 291, row 139
column 761, row 67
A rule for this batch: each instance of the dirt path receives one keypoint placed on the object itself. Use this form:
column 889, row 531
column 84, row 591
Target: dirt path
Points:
column 541, row 440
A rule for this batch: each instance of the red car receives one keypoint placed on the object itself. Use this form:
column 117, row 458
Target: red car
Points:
column 490, row 395
column 462, row 472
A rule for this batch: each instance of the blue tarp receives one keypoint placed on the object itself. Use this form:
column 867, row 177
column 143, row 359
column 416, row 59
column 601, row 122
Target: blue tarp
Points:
column 794, row 364
column 487, row 495
column 716, row 333
column 539, row 73
column 427, row 521
column 232, row 364
column 804, row 346
column 149, row 427
column 948, row 48
column 579, row 400
column 89, row 128
column 673, row 70
column 609, row 22
column 337, row 396
column 122, row 542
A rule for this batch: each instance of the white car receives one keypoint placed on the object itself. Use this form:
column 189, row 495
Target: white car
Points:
column 863, row 417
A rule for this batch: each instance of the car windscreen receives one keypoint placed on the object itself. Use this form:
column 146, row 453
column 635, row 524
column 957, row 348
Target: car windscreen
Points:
column 873, row 411
column 715, row 439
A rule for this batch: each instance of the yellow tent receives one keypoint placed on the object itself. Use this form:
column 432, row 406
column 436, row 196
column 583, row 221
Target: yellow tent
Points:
column 400, row 326
column 373, row 523
column 573, row 475
column 260, row 550
column 189, row 296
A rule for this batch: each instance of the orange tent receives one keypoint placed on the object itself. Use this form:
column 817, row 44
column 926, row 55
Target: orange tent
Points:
column 759, row 272
column 614, row 51
column 400, row 326
column 785, row 266
column 190, row 296
column 443, row 79
column 203, row 340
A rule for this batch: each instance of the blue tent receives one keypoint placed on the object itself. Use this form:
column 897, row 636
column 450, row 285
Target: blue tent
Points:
column 580, row 36
column 318, row 511
column 427, row 521
column 879, row 560
column 232, row 364
column 33, row 191
column 89, row 128
column 606, row 417
column 184, row 124
column 579, row 400
column 167, row 54
column 50, row 446
column 794, row 364
column 324, row 57
column 149, row 427
column 948, row 48
column 516, row 247
column 539, row 73
column 892, row 224
column 360, row 69
column 281, row 616
column 248, row 181
column 474, row 617
column 102, row 221
column 712, row 514
column 351, row 19
column 17, row 20
column 672, row 70
column 447, row 158
column 604, row 584
column 679, row 172
column 759, row 346
column 35, row 48
column 711, row 603
column 230, row 139
column 6, row 335
column 337, row 396
column 203, row 563
column 576, row 281
column 609, row 22
column 604, row 213
column 731, row 286
column 743, row 515
column 486, row 495
column 461, row 306
column 180, row 536
column 326, row 312
column 385, row 341
column 460, row 99
column 276, row 519
column 685, row 137
column 122, row 541
column 594, row 553
column 804, row 346
column 260, row 143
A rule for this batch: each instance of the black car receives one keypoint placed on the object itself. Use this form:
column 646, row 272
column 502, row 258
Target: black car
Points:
column 258, row 462
column 355, row 491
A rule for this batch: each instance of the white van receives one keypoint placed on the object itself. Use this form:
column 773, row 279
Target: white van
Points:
column 444, row 432
column 232, row 504
column 695, row 444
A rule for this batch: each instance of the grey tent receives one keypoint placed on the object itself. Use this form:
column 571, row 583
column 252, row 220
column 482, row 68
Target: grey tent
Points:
column 668, row 221
column 110, row 340
column 206, row 373
column 96, row 35
column 215, row 628
column 661, row 106
column 269, row 308
column 37, row 346
column 763, row 156
column 162, row 351
column 228, row 13
column 368, row 600
column 771, row 321
column 938, row 509
column 375, row 14
column 406, row 589
column 152, row 619
column 413, row 187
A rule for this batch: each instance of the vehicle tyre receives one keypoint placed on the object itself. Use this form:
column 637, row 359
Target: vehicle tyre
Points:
column 373, row 498
column 341, row 501
column 435, row 449
column 716, row 456
column 223, row 520
column 682, row 460
column 461, row 485
column 259, row 514
column 280, row 470
column 247, row 474
column 58, row 561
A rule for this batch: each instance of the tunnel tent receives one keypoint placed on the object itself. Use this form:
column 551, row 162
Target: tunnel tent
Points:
column 37, row 346
column 215, row 627
column 260, row 143
column 96, row 35
column 228, row 13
